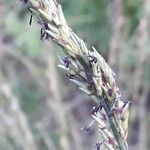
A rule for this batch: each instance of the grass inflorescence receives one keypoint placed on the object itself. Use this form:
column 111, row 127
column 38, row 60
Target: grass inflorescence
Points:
column 88, row 69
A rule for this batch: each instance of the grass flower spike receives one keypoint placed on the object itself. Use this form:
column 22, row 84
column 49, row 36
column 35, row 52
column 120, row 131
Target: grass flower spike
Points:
column 88, row 69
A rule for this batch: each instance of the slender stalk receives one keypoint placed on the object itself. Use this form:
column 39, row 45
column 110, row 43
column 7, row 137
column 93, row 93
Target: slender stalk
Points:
column 113, row 127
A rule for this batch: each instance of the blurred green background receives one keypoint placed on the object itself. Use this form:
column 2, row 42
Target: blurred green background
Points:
column 39, row 108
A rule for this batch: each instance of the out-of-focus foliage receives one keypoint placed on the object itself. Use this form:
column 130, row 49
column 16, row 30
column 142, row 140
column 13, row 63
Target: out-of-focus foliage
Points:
column 23, row 64
column 89, row 19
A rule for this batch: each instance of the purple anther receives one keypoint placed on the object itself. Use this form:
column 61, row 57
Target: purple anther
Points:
column 87, row 129
column 66, row 62
column 98, row 146
column 110, row 92
column 92, row 57
column 70, row 76
column 110, row 141
column 104, row 116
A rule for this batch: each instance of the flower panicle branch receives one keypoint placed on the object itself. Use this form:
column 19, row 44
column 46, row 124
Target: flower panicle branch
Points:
column 88, row 69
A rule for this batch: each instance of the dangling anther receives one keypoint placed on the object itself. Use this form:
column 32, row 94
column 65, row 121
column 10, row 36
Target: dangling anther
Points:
column 31, row 17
